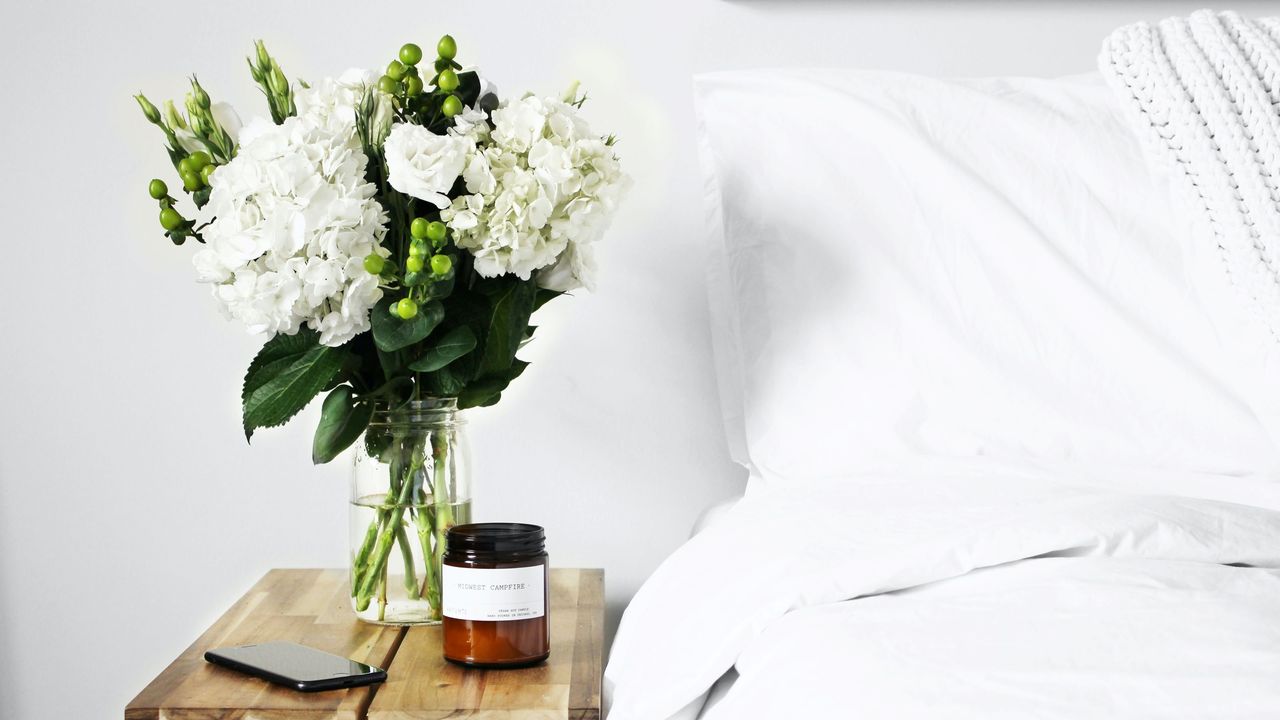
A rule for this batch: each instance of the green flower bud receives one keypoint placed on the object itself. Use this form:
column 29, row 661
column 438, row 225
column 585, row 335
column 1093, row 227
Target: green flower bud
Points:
column 170, row 219
column 264, row 58
column 278, row 82
column 201, row 97
column 441, row 264
column 149, row 110
column 157, row 189
column 451, row 106
column 448, row 80
column 410, row 54
column 447, row 48
column 173, row 117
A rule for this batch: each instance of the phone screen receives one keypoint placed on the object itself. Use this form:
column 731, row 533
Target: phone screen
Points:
column 290, row 660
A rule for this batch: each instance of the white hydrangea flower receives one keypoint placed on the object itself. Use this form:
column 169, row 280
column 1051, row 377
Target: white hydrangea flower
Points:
column 422, row 164
column 331, row 102
column 541, row 188
column 291, row 220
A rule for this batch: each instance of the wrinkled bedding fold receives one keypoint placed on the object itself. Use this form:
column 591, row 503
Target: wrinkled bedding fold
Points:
column 783, row 552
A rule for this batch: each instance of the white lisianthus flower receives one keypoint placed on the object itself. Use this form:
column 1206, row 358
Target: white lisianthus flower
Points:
column 290, row 221
column 424, row 165
column 541, row 188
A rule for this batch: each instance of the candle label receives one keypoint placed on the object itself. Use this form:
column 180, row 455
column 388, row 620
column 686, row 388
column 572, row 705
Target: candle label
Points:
column 494, row 594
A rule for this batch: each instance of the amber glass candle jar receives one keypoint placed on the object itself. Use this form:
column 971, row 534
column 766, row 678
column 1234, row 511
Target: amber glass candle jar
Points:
column 494, row 593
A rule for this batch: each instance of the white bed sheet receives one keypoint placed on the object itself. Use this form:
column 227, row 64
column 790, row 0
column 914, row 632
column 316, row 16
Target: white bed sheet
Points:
column 963, row 589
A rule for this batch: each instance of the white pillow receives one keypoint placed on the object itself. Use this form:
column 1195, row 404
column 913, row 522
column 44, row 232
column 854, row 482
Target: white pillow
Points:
column 904, row 265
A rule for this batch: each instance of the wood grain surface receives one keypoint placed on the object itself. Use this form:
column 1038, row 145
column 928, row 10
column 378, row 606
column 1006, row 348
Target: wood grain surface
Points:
column 312, row 607
column 421, row 685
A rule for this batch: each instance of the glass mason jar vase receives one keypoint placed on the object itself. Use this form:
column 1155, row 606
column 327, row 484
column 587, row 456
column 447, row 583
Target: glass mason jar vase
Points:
column 411, row 483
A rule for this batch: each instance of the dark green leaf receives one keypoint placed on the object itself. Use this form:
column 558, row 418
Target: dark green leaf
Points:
column 274, row 351
column 468, row 88
column 455, row 343
column 512, row 307
column 392, row 333
column 478, row 393
column 440, row 286
column 342, row 420
column 545, row 296
column 286, row 374
column 448, row 381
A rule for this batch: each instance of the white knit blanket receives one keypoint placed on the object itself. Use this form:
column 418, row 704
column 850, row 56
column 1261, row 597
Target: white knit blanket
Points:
column 1204, row 92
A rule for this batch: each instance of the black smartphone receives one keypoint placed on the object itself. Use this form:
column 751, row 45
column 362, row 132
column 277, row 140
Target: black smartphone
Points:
column 296, row 666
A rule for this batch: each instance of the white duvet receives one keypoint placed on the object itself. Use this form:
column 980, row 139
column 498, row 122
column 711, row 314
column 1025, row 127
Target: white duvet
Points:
column 961, row 590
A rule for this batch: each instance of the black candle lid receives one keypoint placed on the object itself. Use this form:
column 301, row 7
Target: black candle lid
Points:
column 496, row 539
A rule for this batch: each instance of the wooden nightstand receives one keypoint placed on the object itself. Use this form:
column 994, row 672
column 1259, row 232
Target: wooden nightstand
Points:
column 312, row 607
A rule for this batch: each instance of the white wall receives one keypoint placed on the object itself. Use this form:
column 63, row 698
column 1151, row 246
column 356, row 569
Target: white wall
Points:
column 132, row 512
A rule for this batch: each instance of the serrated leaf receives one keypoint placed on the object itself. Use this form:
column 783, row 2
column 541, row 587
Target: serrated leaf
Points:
column 455, row 343
column 392, row 333
column 342, row 421
column 284, row 377
column 278, row 348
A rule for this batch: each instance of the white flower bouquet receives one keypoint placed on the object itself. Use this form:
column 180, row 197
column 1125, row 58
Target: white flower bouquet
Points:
column 390, row 235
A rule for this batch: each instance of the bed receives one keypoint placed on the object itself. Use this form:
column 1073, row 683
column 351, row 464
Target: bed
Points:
column 1007, row 458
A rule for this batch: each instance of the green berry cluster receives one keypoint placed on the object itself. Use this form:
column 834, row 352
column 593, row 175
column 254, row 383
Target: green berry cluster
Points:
column 403, row 80
column 428, row 268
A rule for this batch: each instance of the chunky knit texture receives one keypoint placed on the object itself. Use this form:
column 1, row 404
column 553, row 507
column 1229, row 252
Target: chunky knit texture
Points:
column 1204, row 92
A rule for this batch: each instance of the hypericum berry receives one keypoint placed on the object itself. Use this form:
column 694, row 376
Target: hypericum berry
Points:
column 451, row 106
column 413, row 263
column 436, row 232
column 157, row 189
column 447, row 49
column 373, row 264
column 448, row 80
column 170, row 219
column 205, row 172
column 406, row 309
column 413, row 85
column 418, row 228
column 395, row 70
column 441, row 264
column 410, row 54
column 387, row 84
column 186, row 166
column 191, row 181
column 199, row 159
